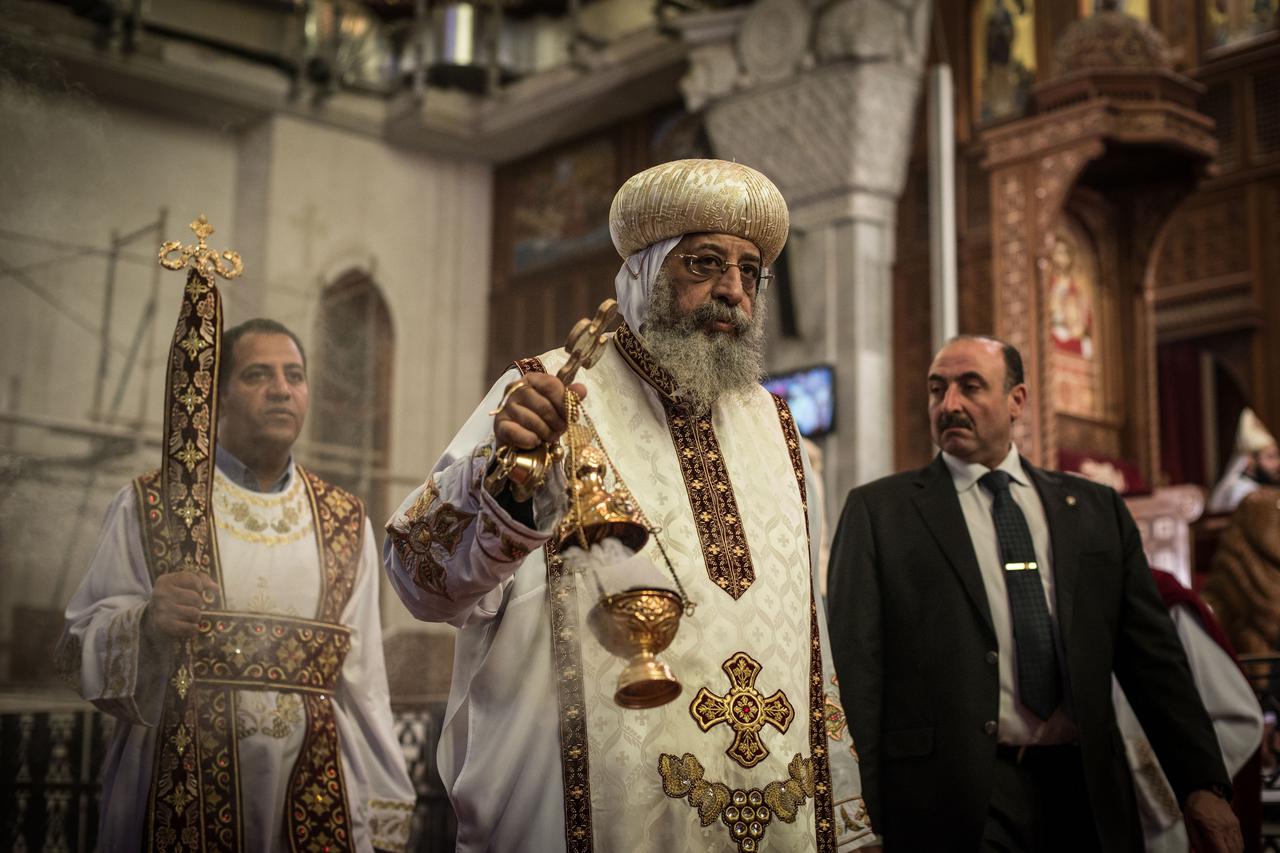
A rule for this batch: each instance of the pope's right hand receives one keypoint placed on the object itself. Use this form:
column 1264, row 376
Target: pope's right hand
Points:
column 533, row 414
column 174, row 608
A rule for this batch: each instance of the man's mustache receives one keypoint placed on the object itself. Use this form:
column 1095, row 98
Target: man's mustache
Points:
column 719, row 312
column 947, row 420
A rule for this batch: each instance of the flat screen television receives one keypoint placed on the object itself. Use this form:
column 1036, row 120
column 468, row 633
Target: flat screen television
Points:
column 810, row 392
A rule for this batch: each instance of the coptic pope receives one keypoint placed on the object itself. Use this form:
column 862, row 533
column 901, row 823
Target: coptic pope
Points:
column 753, row 753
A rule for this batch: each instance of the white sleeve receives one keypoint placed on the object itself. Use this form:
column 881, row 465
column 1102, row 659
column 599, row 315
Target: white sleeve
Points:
column 1227, row 696
column 371, row 750
column 451, row 548
column 102, row 652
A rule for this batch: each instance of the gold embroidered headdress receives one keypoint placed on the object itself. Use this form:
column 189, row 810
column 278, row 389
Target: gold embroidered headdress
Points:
column 699, row 196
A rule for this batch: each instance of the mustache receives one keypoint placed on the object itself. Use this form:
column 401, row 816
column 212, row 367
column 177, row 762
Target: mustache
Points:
column 947, row 420
column 718, row 312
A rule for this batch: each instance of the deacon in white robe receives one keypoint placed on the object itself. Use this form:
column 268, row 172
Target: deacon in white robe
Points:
column 279, row 579
column 754, row 752
column 1254, row 464
column 1237, row 722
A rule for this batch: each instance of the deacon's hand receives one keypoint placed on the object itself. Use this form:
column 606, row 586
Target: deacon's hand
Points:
column 533, row 413
column 1211, row 824
column 174, row 609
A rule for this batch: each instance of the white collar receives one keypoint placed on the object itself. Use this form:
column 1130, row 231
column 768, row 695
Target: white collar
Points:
column 966, row 474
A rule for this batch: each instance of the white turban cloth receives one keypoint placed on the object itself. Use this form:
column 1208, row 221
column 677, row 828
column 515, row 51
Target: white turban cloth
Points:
column 634, row 281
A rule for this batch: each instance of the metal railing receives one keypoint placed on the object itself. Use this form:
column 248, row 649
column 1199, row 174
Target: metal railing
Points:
column 51, row 766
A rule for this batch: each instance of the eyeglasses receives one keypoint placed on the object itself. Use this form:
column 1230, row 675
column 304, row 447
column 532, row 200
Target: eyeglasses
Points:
column 712, row 266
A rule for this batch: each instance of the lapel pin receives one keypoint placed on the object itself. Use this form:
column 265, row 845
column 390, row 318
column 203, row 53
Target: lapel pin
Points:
column 1071, row 500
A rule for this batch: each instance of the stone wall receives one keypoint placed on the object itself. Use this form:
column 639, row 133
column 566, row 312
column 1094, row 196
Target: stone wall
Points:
column 303, row 202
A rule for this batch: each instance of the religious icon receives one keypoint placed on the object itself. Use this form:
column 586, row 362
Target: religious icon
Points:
column 560, row 207
column 1236, row 20
column 1070, row 300
column 1005, row 56
column 1076, row 313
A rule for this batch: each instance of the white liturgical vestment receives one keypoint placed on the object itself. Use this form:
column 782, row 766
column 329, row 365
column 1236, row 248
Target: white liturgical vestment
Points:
column 270, row 564
column 1237, row 722
column 754, row 752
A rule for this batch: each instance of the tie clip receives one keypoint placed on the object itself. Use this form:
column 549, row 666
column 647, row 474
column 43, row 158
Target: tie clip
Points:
column 1020, row 567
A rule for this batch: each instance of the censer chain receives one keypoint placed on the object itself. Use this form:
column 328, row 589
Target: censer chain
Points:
column 574, row 409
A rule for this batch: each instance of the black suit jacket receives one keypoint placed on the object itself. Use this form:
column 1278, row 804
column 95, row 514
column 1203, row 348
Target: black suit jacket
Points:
column 912, row 638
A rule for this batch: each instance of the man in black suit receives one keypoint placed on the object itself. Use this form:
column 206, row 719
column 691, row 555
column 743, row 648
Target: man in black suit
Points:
column 979, row 607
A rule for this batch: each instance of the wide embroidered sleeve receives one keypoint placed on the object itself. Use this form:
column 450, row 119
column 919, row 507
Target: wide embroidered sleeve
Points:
column 378, row 786
column 451, row 548
column 102, row 652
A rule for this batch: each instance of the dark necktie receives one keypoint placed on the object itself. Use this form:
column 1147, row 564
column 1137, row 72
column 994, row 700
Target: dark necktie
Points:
column 1038, row 684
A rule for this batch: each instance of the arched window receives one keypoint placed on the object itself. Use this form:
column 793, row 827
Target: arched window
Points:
column 350, row 376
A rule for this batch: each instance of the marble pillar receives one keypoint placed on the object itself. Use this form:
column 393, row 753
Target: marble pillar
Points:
column 822, row 99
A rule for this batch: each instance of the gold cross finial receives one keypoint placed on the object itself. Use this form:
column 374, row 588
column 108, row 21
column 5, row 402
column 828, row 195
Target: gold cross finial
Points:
column 744, row 709
column 202, row 228
column 200, row 257
column 586, row 340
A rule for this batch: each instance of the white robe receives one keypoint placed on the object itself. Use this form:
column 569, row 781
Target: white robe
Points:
column 270, row 564
column 1237, row 721
column 1234, row 486
column 500, row 750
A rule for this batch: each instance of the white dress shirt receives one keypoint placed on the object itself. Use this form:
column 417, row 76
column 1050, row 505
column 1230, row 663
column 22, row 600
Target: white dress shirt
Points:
column 1018, row 723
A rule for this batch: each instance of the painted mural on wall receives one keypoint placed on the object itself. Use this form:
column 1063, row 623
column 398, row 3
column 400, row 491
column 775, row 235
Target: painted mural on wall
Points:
column 562, row 208
column 1004, row 57
column 1071, row 300
column 1232, row 21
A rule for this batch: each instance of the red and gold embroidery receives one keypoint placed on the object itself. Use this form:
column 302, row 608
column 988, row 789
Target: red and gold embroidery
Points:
column 509, row 550
column 316, row 810
column 432, row 533
column 195, row 800
column 566, row 652
column 853, row 816
column 706, row 478
column 792, row 437
column 339, row 523
column 744, row 709
column 837, row 723
column 746, row 813
column 824, row 817
column 824, row 810
column 176, row 519
column 249, row 650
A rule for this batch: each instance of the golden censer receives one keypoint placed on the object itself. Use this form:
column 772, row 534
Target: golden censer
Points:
column 636, row 623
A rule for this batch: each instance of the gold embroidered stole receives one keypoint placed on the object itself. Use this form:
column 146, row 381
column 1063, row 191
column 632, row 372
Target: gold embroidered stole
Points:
column 706, row 478
column 566, row 651
column 733, row 574
column 824, row 809
column 195, row 789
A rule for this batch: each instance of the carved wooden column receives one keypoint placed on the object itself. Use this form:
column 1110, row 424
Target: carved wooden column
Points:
column 1113, row 143
column 823, row 102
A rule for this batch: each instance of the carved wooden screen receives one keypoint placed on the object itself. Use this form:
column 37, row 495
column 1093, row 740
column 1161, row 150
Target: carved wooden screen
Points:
column 553, row 260
column 1215, row 277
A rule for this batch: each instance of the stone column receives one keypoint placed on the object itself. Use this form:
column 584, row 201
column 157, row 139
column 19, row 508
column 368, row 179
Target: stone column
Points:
column 823, row 100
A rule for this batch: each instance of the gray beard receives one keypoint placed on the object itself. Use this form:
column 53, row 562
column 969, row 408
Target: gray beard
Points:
column 706, row 365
